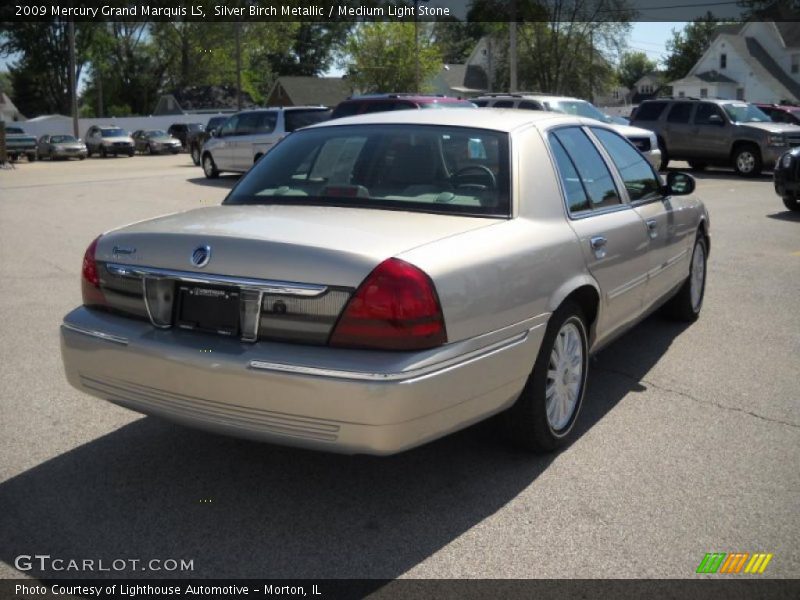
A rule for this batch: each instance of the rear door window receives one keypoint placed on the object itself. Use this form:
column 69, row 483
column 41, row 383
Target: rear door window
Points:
column 680, row 112
column 597, row 181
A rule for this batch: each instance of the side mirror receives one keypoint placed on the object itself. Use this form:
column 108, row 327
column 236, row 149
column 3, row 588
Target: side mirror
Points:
column 213, row 132
column 679, row 184
column 716, row 120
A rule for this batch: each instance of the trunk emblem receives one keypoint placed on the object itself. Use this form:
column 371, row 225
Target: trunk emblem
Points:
column 201, row 255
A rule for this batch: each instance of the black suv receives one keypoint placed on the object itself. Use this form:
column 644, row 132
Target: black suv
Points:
column 196, row 139
column 182, row 131
column 359, row 105
column 716, row 132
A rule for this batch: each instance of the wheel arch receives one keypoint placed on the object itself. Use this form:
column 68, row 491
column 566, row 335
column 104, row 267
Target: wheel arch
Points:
column 583, row 291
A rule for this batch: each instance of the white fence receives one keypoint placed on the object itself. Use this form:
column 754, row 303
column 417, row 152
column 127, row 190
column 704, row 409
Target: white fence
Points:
column 59, row 124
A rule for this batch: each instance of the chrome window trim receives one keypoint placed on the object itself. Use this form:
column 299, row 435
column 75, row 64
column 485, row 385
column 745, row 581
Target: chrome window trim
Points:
column 267, row 286
column 108, row 337
column 405, row 376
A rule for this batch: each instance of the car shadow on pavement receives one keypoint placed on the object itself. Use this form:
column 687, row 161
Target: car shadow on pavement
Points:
column 223, row 181
column 152, row 489
column 786, row 215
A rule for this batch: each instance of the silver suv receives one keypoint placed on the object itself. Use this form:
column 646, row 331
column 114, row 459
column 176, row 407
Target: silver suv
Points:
column 247, row 136
column 108, row 140
column 644, row 140
column 716, row 132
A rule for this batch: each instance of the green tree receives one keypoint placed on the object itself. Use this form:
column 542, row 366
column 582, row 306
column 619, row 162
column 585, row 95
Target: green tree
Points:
column 382, row 57
column 311, row 51
column 457, row 39
column 632, row 66
column 687, row 46
column 40, row 70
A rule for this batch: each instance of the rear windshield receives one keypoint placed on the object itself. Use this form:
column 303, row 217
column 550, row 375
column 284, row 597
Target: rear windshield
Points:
column 295, row 119
column 448, row 170
column 578, row 108
column 113, row 133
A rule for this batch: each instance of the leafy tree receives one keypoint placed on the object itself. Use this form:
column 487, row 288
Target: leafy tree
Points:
column 312, row 50
column 687, row 46
column 6, row 87
column 382, row 57
column 632, row 67
column 40, row 73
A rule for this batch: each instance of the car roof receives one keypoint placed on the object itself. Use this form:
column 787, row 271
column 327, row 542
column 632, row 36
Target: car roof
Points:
column 402, row 96
column 498, row 119
column 527, row 96
column 284, row 108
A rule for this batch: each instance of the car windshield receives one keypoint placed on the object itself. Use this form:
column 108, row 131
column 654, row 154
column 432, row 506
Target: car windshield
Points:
column 438, row 169
column 62, row 139
column 117, row 132
column 155, row 133
column 579, row 108
column 745, row 113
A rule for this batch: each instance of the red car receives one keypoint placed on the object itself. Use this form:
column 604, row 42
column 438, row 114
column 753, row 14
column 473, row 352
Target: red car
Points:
column 782, row 113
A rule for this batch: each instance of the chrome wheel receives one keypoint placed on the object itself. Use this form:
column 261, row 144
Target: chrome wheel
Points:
column 564, row 377
column 698, row 277
column 745, row 161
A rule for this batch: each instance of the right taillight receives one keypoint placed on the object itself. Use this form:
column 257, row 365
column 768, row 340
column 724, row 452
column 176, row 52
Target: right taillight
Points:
column 90, row 278
column 395, row 308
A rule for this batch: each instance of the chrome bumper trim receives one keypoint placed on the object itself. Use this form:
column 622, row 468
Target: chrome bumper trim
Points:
column 116, row 339
column 397, row 376
column 262, row 285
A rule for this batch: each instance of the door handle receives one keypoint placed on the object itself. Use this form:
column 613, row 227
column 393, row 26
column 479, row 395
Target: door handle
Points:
column 652, row 228
column 598, row 244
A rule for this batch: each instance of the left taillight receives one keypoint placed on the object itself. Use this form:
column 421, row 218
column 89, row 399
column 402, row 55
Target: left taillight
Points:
column 90, row 278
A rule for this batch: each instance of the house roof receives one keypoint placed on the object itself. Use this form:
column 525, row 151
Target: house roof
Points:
column 307, row 91
column 790, row 32
column 758, row 52
column 714, row 77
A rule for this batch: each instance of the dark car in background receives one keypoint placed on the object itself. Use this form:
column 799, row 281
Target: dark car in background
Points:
column 155, row 141
column 61, row 146
column 181, row 131
column 196, row 139
column 787, row 179
column 359, row 105
column 781, row 113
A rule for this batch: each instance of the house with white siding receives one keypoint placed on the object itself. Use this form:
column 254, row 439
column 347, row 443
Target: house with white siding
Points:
column 756, row 61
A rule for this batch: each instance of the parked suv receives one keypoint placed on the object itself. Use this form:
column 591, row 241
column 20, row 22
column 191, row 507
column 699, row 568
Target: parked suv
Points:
column 716, row 132
column 247, row 136
column 644, row 140
column 358, row 105
column 182, row 131
column 196, row 139
column 108, row 140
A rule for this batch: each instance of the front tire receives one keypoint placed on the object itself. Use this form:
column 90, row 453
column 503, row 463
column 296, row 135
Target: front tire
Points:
column 546, row 411
column 31, row 156
column 747, row 160
column 698, row 165
column 791, row 203
column 687, row 303
column 209, row 168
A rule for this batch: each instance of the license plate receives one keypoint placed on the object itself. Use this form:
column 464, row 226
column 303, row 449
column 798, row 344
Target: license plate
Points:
column 213, row 309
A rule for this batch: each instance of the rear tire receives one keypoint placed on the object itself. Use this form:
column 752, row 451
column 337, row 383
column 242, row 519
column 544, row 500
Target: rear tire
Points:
column 747, row 160
column 31, row 156
column 209, row 167
column 698, row 165
column 103, row 152
column 546, row 411
column 195, row 154
column 664, row 155
column 791, row 203
column 687, row 303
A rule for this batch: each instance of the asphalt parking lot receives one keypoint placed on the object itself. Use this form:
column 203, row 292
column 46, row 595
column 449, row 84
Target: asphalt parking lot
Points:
column 690, row 436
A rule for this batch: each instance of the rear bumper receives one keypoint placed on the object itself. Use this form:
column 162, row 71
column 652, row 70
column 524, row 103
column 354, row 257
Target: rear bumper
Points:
column 336, row 400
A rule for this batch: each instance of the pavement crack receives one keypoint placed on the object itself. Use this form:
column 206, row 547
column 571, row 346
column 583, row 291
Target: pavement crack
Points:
column 695, row 398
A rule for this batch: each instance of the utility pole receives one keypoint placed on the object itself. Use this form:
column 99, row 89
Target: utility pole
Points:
column 591, row 67
column 238, row 28
column 73, row 93
column 416, row 47
column 512, row 48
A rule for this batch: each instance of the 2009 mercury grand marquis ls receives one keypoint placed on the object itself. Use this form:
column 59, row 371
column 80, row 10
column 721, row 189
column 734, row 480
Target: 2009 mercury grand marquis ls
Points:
column 376, row 282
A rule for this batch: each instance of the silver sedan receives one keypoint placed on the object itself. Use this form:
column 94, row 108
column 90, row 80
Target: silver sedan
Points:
column 377, row 282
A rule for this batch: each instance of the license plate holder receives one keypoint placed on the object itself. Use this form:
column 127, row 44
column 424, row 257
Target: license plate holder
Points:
column 208, row 308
